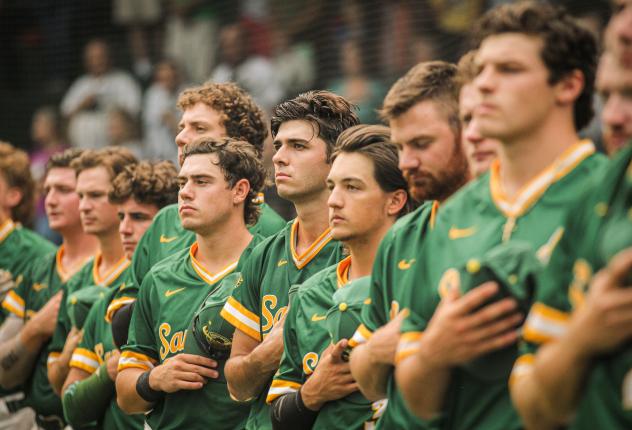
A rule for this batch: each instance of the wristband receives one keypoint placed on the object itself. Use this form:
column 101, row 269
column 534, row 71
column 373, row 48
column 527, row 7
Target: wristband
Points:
column 145, row 391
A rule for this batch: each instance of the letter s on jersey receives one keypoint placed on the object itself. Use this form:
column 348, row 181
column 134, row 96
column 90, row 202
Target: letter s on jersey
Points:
column 269, row 312
column 173, row 345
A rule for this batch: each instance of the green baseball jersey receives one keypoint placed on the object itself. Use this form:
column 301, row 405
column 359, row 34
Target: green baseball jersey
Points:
column 598, row 228
column 96, row 347
column 394, row 270
column 261, row 299
column 166, row 236
column 305, row 337
column 21, row 250
column 41, row 282
column 475, row 220
column 86, row 277
column 169, row 297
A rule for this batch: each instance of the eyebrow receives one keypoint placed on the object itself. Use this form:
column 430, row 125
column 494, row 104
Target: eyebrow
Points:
column 196, row 176
column 292, row 140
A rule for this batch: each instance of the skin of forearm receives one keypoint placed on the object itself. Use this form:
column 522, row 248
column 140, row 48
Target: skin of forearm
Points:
column 127, row 397
column 247, row 375
column 372, row 377
column 58, row 371
column 18, row 351
column 412, row 373
column 559, row 374
column 530, row 406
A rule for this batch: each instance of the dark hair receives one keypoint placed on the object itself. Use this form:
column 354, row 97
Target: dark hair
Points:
column 147, row 183
column 374, row 142
column 238, row 160
column 431, row 80
column 240, row 115
column 567, row 46
column 63, row 159
column 329, row 112
column 113, row 158
column 15, row 167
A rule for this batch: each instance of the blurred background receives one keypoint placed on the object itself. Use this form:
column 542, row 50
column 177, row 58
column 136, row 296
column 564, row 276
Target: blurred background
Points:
column 91, row 73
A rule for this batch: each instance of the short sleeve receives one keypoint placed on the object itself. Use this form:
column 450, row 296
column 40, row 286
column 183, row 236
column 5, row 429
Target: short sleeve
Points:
column 84, row 356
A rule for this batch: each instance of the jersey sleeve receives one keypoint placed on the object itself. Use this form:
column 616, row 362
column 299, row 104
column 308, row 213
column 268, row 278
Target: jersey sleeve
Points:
column 269, row 222
column 62, row 327
column 14, row 302
column 374, row 315
column 242, row 307
column 290, row 376
column 140, row 259
column 84, row 356
column 141, row 350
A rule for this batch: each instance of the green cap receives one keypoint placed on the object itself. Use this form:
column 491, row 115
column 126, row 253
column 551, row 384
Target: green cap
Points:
column 209, row 334
column 514, row 266
column 80, row 302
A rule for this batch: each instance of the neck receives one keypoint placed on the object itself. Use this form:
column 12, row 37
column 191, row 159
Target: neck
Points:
column 4, row 216
column 313, row 219
column 78, row 245
column 363, row 251
column 223, row 245
column 111, row 248
column 523, row 158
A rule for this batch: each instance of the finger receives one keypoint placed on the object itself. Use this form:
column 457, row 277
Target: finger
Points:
column 476, row 297
column 497, row 342
column 198, row 359
column 186, row 385
column 488, row 313
column 351, row 387
column 338, row 349
column 186, row 376
column 200, row 370
column 621, row 265
column 494, row 329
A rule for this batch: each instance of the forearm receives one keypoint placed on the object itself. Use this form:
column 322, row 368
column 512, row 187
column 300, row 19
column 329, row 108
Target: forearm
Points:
column 247, row 375
column 414, row 372
column 553, row 385
column 18, row 352
column 86, row 401
column 289, row 412
column 127, row 397
column 58, row 372
column 372, row 378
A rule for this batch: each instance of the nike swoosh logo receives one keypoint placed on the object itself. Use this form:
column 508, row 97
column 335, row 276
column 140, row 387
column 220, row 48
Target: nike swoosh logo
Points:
column 169, row 293
column 317, row 318
column 164, row 239
column 39, row 287
column 405, row 265
column 460, row 233
column 281, row 263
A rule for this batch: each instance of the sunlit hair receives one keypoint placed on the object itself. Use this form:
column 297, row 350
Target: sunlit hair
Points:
column 16, row 170
column 113, row 158
column 239, row 114
column 147, row 183
column 434, row 81
column 330, row 113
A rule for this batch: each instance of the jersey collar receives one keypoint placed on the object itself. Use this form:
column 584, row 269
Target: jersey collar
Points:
column 531, row 192
column 204, row 273
column 342, row 271
column 6, row 228
column 112, row 274
column 66, row 273
column 302, row 260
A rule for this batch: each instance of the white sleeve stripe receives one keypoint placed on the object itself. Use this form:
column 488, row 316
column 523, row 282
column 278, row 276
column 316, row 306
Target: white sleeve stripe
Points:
column 123, row 361
column 85, row 360
column 279, row 391
column 14, row 303
column 241, row 317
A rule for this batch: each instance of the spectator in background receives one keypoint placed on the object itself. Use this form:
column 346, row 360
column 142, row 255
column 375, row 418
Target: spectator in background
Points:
column 293, row 64
column 160, row 114
column 123, row 130
column 89, row 98
column 253, row 73
column 191, row 36
column 141, row 19
column 355, row 86
column 48, row 138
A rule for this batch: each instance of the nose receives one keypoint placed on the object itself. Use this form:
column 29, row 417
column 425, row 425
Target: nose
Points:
column 126, row 226
column 613, row 114
column 484, row 81
column 335, row 199
column 51, row 198
column 471, row 134
column 84, row 204
column 185, row 192
column 183, row 137
column 407, row 159
column 280, row 156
